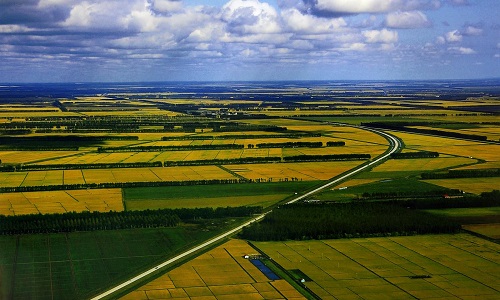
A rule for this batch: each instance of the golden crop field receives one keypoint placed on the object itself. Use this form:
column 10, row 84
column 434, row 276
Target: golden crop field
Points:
column 422, row 164
column 488, row 152
column 458, row 266
column 59, row 177
column 24, row 157
column 221, row 273
column 61, row 201
column 373, row 150
column 490, row 230
column 233, row 201
column 302, row 171
column 469, row 185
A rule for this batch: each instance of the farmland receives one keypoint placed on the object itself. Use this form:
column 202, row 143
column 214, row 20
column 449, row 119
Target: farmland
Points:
column 188, row 146
column 78, row 265
column 443, row 266
column 60, row 201
column 259, row 194
column 221, row 273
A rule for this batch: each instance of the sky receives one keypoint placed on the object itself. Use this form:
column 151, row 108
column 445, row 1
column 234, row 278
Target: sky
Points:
column 247, row 40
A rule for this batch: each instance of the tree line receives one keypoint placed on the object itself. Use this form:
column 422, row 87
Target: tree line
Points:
column 401, row 127
column 420, row 154
column 242, row 160
column 108, row 185
column 290, row 145
column 304, row 221
column 22, row 167
column 327, row 157
column 91, row 221
column 170, row 148
column 238, row 136
column 471, row 173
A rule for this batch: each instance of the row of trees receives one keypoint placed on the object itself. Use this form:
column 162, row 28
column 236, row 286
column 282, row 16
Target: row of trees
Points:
column 420, row 154
column 327, row 157
column 242, row 160
column 170, row 148
column 14, row 168
column 239, row 136
column 290, row 145
column 90, row 221
column 108, row 185
column 401, row 127
column 472, row 173
column 412, row 194
column 305, row 221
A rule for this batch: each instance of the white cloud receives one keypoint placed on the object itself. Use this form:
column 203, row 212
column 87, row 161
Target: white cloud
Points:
column 167, row 5
column 359, row 6
column 462, row 50
column 453, row 36
column 301, row 23
column 407, row 19
column 472, row 31
column 380, row 36
column 369, row 6
column 14, row 28
column 250, row 17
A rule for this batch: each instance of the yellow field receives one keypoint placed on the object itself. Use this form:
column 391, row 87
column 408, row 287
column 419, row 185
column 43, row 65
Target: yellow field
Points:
column 261, row 200
column 489, row 230
column 373, row 150
column 469, row 185
column 59, row 177
column 221, row 273
column 17, row 157
column 61, row 201
column 422, row 164
column 460, row 266
column 302, row 171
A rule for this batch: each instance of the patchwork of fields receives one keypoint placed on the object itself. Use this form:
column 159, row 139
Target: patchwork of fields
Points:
column 61, row 201
column 221, row 273
column 60, row 177
column 424, row 267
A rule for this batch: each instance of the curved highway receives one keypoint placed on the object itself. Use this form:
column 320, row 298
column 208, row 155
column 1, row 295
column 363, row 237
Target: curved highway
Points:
column 395, row 144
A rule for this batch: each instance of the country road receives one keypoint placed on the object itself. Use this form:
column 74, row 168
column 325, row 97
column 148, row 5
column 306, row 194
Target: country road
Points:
column 394, row 144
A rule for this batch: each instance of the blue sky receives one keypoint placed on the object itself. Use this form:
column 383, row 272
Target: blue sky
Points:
column 162, row 40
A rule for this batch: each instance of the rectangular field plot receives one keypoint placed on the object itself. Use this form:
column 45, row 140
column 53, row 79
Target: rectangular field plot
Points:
column 191, row 173
column 221, row 273
column 61, row 201
column 60, row 177
column 262, row 200
column 488, row 152
column 17, row 157
column 214, row 195
column 422, row 164
column 470, row 185
column 287, row 171
column 489, row 230
column 423, row 267
column 80, row 264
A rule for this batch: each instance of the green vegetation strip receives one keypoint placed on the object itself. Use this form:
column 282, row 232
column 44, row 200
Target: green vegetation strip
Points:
column 79, row 265
column 214, row 191
column 305, row 221
column 86, row 221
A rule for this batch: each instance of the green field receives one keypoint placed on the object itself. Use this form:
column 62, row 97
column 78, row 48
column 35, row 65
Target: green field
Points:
column 78, row 265
column 457, row 266
column 264, row 194
column 396, row 185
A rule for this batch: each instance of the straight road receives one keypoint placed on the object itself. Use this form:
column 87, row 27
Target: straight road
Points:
column 395, row 144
